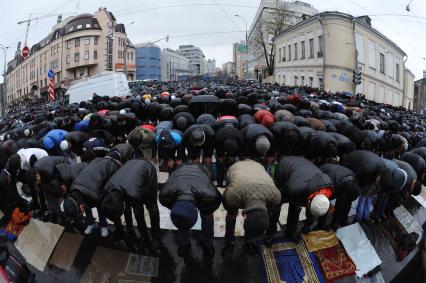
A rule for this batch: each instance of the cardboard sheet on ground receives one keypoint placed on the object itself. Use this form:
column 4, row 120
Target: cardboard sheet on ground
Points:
column 409, row 223
column 64, row 254
column 37, row 241
column 142, row 265
column 109, row 265
column 359, row 248
column 420, row 200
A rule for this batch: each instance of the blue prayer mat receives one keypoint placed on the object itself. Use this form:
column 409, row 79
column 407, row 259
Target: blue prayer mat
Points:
column 289, row 262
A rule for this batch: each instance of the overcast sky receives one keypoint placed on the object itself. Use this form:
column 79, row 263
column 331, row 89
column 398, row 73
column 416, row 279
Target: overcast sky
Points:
column 210, row 24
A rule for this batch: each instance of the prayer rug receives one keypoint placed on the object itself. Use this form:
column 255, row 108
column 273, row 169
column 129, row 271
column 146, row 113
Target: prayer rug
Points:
column 409, row 223
column 335, row 263
column 320, row 239
column 289, row 262
column 65, row 252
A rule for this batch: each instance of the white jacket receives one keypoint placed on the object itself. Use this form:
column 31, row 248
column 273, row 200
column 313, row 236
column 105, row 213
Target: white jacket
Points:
column 26, row 153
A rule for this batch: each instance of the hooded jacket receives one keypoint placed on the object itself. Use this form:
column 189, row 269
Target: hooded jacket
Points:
column 252, row 132
column 77, row 139
column 417, row 162
column 420, row 151
column 136, row 180
column 366, row 164
column 191, row 182
column 344, row 145
column 392, row 177
column 26, row 154
column 340, row 176
column 228, row 133
column 126, row 151
column 53, row 138
column 46, row 166
column 297, row 178
column 68, row 172
column 250, row 187
column 92, row 179
column 286, row 136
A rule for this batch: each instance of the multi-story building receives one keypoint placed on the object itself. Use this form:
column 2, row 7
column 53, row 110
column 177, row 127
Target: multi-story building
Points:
column 2, row 94
column 240, row 58
column 323, row 52
column 174, row 66
column 195, row 56
column 211, row 66
column 272, row 16
column 77, row 47
column 228, row 69
column 148, row 61
column 420, row 93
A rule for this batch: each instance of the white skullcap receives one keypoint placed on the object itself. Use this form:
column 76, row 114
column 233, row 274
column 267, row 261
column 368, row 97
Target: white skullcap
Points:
column 122, row 111
column 27, row 132
column 64, row 145
column 319, row 205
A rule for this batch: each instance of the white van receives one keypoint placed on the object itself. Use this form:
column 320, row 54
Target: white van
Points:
column 104, row 84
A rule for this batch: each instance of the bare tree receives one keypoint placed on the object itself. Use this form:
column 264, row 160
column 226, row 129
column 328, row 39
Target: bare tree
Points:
column 265, row 30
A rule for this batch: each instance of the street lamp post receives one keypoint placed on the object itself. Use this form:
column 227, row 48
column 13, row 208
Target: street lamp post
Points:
column 245, row 22
column 125, row 51
column 3, row 98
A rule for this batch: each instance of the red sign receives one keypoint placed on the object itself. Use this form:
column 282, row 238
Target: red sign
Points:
column 25, row 51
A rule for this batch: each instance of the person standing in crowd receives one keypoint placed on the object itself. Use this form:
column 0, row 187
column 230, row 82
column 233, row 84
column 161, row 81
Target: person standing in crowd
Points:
column 130, row 188
column 252, row 189
column 302, row 184
column 187, row 190
column 87, row 189
column 199, row 142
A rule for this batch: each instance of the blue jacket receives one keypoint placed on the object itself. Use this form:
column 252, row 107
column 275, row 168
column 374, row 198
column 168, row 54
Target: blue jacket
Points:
column 53, row 138
column 82, row 126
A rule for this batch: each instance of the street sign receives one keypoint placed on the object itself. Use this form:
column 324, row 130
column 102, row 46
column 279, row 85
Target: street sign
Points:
column 25, row 51
column 50, row 74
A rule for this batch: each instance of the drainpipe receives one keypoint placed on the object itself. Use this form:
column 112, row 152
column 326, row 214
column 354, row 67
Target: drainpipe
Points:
column 356, row 52
column 324, row 53
column 404, row 82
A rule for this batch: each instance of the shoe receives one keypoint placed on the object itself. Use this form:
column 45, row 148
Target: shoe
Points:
column 293, row 236
column 268, row 241
column 90, row 228
column 104, row 232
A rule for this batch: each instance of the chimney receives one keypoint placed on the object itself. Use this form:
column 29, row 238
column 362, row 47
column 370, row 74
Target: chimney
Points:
column 365, row 19
column 59, row 19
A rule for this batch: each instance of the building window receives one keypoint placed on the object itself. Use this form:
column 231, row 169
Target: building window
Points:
column 295, row 51
column 295, row 80
column 77, row 42
column 302, row 80
column 303, row 50
column 311, row 81
column 96, row 40
column 86, row 40
column 382, row 63
column 289, row 53
column 95, row 54
column 320, row 84
column 397, row 71
column 76, row 57
column 86, row 55
column 311, row 48
column 284, row 54
column 68, row 59
column 81, row 71
column 320, row 46
column 88, row 25
column 279, row 54
column 68, row 44
column 79, row 26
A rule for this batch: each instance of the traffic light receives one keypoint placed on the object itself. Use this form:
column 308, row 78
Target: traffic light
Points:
column 357, row 77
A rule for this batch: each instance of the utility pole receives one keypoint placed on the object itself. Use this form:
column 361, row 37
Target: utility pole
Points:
column 4, row 97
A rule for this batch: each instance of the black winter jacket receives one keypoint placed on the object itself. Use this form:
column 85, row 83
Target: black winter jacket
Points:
column 297, row 178
column 365, row 164
column 340, row 176
column 191, row 182
column 228, row 133
column 46, row 166
column 92, row 179
column 68, row 172
column 137, row 181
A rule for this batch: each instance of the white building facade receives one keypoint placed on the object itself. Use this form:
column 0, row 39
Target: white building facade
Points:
column 323, row 51
column 174, row 66
column 265, row 20
column 195, row 56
